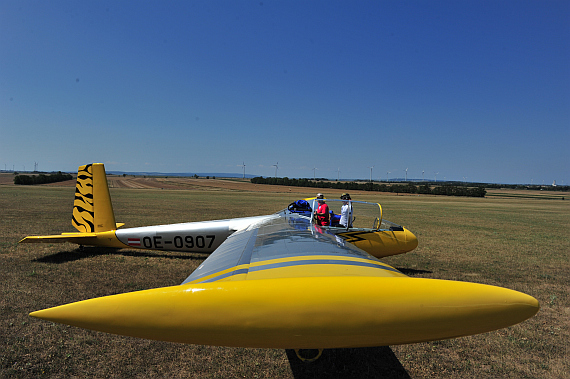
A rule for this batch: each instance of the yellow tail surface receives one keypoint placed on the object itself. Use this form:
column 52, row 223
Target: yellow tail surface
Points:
column 92, row 208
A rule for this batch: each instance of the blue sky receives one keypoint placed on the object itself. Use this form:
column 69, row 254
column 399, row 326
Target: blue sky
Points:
column 474, row 90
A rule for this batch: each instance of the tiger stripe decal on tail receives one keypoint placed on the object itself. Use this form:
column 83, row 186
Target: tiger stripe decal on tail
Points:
column 83, row 210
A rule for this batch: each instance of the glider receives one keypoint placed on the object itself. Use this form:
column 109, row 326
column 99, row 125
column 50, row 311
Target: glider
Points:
column 280, row 281
column 94, row 219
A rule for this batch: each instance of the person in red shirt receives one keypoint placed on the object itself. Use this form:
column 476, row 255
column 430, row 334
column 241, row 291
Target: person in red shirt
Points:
column 323, row 215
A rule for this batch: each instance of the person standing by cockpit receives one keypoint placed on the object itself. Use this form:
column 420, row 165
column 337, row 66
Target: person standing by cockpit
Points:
column 322, row 213
column 345, row 211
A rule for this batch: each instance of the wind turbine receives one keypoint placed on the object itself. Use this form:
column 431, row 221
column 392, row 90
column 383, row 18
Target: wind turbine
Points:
column 371, row 172
column 276, row 167
column 387, row 172
column 243, row 165
column 406, row 174
column 314, row 175
column 338, row 174
column 436, row 176
column 423, row 175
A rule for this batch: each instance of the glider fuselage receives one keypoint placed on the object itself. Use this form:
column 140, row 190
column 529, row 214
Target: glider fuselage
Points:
column 199, row 237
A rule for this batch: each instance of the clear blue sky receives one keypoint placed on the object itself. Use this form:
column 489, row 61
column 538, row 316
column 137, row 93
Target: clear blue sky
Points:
column 467, row 89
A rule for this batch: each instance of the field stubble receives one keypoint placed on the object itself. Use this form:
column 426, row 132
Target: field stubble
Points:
column 521, row 244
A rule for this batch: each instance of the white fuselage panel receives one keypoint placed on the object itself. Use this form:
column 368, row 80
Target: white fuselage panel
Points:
column 202, row 237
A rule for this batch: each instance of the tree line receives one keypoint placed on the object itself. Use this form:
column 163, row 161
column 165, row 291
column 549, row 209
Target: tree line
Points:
column 41, row 178
column 444, row 189
column 536, row 187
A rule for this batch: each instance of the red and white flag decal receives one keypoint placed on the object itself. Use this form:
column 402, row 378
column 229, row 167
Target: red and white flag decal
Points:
column 134, row 241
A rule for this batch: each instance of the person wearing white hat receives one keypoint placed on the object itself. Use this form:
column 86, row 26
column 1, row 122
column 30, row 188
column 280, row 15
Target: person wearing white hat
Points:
column 323, row 215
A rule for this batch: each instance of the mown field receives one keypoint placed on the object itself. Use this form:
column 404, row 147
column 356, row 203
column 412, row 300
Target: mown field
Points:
column 518, row 243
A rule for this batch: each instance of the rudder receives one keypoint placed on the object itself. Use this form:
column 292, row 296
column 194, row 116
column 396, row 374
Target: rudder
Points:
column 92, row 208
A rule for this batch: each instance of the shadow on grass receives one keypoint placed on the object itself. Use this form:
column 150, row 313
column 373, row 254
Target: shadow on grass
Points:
column 366, row 362
column 412, row 272
column 89, row 252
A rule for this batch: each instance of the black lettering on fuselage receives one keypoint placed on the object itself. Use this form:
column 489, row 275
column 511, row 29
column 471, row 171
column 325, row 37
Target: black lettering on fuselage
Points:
column 198, row 242
column 157, row 242
column 147, row 242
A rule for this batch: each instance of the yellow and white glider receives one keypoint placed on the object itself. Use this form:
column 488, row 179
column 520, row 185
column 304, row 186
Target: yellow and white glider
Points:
column 282, row 282
column 94, row 220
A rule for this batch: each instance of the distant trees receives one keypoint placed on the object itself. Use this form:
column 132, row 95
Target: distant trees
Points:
column 535, row 187
column 41, row 178
column 448, row 190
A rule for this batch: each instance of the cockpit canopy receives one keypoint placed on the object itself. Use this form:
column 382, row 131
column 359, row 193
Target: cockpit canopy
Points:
column 364, row 215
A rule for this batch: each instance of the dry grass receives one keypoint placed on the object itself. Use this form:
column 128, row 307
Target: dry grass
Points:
column 521, row 244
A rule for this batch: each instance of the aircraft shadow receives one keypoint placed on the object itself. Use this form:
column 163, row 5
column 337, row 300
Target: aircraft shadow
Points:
column 412, row 272
column 89, row 252
column 366, row 362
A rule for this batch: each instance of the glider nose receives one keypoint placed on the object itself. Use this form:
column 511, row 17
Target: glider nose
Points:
column 411, row 240
column 528, row 306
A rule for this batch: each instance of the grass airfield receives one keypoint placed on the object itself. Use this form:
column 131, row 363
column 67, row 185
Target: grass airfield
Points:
column 510, row 241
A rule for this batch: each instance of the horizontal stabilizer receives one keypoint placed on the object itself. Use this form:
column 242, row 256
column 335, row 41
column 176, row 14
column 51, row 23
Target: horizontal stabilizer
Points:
column 59, row 238
column 103, row 239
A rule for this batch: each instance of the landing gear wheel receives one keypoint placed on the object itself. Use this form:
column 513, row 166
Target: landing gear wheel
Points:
column 308, row 355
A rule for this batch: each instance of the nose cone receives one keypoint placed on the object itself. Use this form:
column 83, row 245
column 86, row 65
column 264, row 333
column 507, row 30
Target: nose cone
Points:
column 411, row 240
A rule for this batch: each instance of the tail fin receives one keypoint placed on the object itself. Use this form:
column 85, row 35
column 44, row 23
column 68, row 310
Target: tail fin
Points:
column 92, row 208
